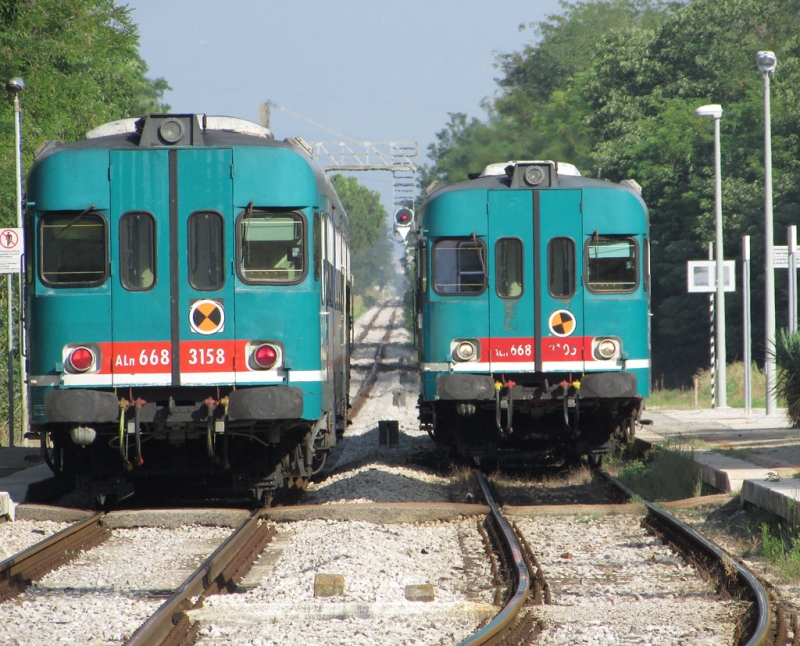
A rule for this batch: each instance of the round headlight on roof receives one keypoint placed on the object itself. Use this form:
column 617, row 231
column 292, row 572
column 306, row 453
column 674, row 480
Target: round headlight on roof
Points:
column 533, row 175
column 171, row 131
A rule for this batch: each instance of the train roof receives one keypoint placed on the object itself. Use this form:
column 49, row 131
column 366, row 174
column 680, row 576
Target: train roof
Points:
column 516, row 174
column 177, row 130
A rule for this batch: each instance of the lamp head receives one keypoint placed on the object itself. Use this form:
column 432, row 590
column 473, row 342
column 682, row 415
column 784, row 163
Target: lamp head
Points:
column 713, row 110
column 15, row 85
column 766, row 61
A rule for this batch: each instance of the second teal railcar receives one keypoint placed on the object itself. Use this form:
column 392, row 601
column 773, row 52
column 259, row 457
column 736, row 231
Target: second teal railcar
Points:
column 532, row 304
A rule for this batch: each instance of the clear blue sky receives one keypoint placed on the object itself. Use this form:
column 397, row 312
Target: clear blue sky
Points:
column 373, row 70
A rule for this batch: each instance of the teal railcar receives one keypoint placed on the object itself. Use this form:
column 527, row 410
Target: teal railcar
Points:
column 532, row 304
column 188, row 307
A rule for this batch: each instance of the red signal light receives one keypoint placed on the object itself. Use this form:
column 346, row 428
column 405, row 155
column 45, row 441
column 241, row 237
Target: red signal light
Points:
column 81, row 359
column 404, row 216
column 265, row 356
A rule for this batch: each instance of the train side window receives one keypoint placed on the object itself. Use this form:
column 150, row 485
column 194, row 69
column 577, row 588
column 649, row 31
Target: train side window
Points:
column 73, row 249
column 317, row 245
column 271, row 246
column 561, row 267
column 206, row 238
column 459, row 266
column 612, row 264
column 508, row 267
column 137, row 251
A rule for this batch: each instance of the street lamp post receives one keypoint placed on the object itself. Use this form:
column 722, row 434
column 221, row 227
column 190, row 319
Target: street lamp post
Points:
column 766, row 64
column 715, row 111
column 14, row 87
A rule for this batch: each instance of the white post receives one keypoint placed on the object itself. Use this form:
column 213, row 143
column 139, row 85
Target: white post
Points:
column 766, row 64
column 747, row 355
column 792, row 246
column 23, row 381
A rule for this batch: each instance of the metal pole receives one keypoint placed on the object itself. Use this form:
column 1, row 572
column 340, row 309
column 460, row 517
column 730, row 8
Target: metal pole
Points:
column 748, row 376
column 10, row 359
column 792, row 247
column 769, row 274
column 722, row 399
column 23, row 382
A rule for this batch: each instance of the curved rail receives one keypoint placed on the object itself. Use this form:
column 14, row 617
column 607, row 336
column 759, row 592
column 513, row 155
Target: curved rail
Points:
column 506, row 616
column 760, row 631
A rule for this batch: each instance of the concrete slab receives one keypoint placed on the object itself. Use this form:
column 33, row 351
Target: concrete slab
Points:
column 757, row 455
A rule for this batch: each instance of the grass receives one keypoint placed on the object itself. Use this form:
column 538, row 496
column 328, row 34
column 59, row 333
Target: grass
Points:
column 683, row 398
column 666, row 472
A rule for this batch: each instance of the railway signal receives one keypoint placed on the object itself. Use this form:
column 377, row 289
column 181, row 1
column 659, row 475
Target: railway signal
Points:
column 403, row 220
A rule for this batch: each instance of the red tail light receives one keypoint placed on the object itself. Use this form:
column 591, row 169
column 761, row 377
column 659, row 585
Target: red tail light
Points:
column 265, row 356
column 81, row 359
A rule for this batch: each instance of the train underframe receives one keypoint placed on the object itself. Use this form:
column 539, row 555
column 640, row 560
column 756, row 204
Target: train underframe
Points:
column 243, row 444
column 532, row 418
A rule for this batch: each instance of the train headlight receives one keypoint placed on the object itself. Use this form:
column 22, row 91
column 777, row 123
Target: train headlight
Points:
column 81, row 359
column 265, row 356
column 171, row 131
column 465, row 350
column 606, row 348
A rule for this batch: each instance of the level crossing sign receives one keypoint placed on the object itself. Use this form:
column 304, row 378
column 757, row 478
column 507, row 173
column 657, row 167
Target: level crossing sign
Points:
column 11, row 248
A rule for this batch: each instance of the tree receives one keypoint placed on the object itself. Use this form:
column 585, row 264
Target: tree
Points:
column 371, row 252
column 364, row 210
column 613, row 84
column 81, row 67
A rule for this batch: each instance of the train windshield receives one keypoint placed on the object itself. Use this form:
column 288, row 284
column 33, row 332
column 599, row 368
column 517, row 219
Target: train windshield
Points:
column 459, row 266
column 73, row 249
column 271, row 247
column 612, row 264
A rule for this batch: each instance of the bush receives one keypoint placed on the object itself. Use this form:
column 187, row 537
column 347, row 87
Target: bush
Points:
column 787, row 382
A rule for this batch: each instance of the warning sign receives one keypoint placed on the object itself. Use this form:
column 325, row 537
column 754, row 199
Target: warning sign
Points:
column 11, row 249
column 207, row 317
column 562, row 323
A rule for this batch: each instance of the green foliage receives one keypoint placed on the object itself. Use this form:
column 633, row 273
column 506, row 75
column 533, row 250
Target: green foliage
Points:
column 781, row 548
column 81, row 67
column 667, row 473
column 683, row 398
column 364, row 210
column 371, row 259
column 613, row 85
column 787, row 382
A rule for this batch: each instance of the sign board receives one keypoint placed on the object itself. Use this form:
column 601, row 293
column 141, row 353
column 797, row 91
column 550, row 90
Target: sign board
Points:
column 10, row 251
column 780, row 256
column 702, row 275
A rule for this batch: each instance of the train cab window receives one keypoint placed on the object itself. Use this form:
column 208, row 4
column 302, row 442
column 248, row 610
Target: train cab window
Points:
column 508, row 267
column 271, row 246
column 561, row 267
column 611, row 264
column 206, row 251
column 137, row 251
column 73, row 249
column 459, row 266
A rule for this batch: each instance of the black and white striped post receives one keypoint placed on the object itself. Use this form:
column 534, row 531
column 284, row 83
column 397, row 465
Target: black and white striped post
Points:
column 713, row 336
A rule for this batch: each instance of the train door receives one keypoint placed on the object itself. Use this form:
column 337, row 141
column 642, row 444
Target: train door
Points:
column 202, row 253
column 512, row 254
column 140, row 270
column 558, row 226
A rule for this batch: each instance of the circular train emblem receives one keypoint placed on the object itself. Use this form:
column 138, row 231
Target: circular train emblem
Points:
column 562, row 323
column 207, row 317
